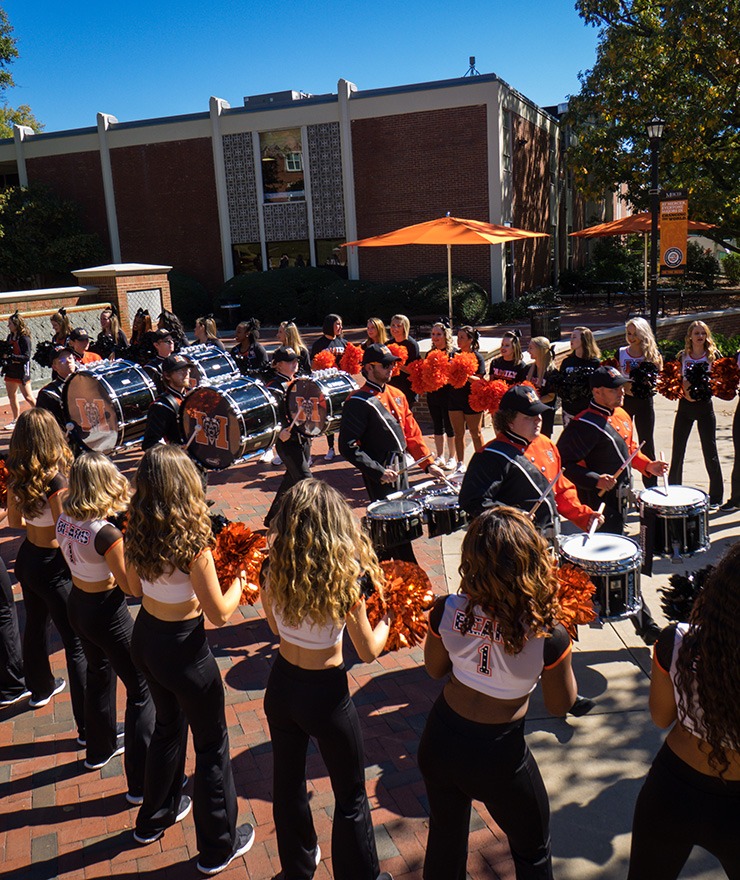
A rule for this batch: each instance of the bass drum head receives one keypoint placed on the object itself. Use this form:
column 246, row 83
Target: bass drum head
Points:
column 317, row 401
column 210, row 364
column 601, row 550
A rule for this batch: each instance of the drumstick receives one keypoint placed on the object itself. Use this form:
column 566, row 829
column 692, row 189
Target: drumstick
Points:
column 664, row 475
column 625, row 464
column 419, row 487
column 546, row 492
column 295, row 418
column 196, row 430
column 418, row 461
column 590, row 533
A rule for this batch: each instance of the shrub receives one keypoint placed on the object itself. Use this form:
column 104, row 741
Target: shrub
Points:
column 702, row 264
column 731, row 268
column 280, row 294
column 516, row 310
column 613, row 260
column 429, row 295
column 190, row 299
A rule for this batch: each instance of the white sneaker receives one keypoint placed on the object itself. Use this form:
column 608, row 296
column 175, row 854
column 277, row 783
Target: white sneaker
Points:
column 439, row 462
column 268, row 455
column 9, row 426
column 330, row 455
column 450, row 464
column 276, row 461
column 461, row 467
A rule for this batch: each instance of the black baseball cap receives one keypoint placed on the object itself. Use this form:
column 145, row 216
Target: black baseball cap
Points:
column 78, row 333
column 379, row 354
column 284, row 353
column 61, row 349
column 523, row 399
column 160, row 335
column 175, row 362
column 607, row 377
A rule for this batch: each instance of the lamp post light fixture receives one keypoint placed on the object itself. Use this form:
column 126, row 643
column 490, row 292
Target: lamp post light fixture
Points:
column 655, row 133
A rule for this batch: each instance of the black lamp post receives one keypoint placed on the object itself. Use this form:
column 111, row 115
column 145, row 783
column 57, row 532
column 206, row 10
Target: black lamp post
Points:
column 655, row 133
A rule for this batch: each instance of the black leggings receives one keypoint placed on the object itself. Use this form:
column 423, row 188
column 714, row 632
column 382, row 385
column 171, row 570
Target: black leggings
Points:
column 701, row 412
column 642, row 412
column 303, row 703
column 735, row 479
column 440, row 417
column 12, row 683
column 679, row 808
column 462, row 761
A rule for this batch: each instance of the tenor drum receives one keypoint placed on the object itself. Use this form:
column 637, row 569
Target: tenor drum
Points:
column 316, row 401
column 210, row 364
column 394, row 522
column 681, row 519
column 613, row 563
column 443, row 513
column 107, row 403
column 233, row 420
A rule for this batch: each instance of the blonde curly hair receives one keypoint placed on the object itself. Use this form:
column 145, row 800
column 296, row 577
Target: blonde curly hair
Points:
column 96, row 488
column 38, row 452
column 168, row 520
column 318, row 553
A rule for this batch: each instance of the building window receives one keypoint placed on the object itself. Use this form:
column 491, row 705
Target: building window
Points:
column 288, row 254
column 506, row 140
column 282, row 165
column 247, row 258
column 294, row 162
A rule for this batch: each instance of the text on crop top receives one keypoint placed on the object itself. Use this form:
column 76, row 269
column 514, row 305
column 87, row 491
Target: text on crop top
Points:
column 81, row 545
column 627, row 363
column 689, row 362
column 170, row 589
column 46, row 517
column 478, row 657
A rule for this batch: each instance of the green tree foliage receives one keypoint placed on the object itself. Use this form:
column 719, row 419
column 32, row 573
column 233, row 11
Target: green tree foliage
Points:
column 681, row 62
column 42, row 237
column 8, row 53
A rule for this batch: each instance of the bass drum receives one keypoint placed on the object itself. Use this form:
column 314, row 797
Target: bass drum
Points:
column 316, row 401
column 107, row 403
column 210, row 364
column 233, row 420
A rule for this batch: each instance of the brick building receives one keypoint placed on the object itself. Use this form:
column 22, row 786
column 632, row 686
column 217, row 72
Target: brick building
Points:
column 288, row 177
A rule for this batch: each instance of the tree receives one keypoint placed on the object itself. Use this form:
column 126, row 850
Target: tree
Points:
column 681, row 62
column 10, row 116
column 42, row 237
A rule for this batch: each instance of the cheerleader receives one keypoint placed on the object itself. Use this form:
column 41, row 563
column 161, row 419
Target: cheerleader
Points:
column 111, row 339
column 699, row 349
column 313, row 591
column 509, row 365
column 289, row 336
column 461, row 414
column 17, row 366
column 495, row 639
column 169, row 321
column 438, row 403
column 93, row 549
column 543, row 375
column 376, row 333
column 734, row 501
column 206, row 333
column 170, row 565
column 140, row 347
column 38, row 463
column 400, row 329
column 251, row 357
column 586, row 356
column 12, row 681
column 331, row 338
column 641, row 348
column 691, row 796
column 61, row 326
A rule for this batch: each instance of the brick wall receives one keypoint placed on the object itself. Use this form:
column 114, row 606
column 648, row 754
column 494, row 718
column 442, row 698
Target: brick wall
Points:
column 414, row 167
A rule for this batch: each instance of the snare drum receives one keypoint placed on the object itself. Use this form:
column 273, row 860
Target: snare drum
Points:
column 210, row 364
column 107, row 402
column 682, row 519
column 321, row 396
column 613, row 563
column 235, row 419
column 444, row 514
column 391, row 523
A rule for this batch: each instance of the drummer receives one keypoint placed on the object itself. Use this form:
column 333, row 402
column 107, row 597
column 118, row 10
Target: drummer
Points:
column 517, row 466
column 162, row 425
column 594, row 446
column 377, row 429
column 294, row 447
column 63, row 364
column 79, row 342
column 164, row 344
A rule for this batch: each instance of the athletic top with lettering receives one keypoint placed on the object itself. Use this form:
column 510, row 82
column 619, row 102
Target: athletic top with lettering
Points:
column 687, row 361
column 46, row 517
column 478, row 657
column 84, row 544
column 627, row 363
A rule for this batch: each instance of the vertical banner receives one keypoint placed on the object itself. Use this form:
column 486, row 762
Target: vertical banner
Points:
column 674, row 228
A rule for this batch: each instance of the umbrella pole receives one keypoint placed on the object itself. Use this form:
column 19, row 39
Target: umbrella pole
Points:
column 449, row 281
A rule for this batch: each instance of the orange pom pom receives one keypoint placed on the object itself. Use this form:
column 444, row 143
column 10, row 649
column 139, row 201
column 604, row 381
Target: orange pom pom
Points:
column 324, row 360
column 435, row 370
column 725, row 377
column 239, row 549
column 461, row 368
column 407, row 595
column 401, row 352
column 670, row 381
column 351, row 360
column 416, row 376
column 3, row 483
column 575, row 592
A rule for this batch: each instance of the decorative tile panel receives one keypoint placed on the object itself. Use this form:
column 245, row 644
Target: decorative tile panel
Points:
column 241, row 187
column 286, row 221
column 325, row 163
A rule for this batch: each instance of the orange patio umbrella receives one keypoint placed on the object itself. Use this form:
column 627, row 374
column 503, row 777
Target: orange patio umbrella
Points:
column 632, row 223
column 448, row 231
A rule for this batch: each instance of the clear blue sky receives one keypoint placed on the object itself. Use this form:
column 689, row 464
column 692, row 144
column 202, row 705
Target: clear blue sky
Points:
column 139, row 59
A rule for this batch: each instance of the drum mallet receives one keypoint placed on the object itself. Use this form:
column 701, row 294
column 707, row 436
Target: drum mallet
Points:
column 594, row 525
column 665, row 474
column 545, row 493
column 624, row 466
column 196, row 430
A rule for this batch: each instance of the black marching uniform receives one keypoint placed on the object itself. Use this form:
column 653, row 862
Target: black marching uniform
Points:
column 161, row 419
column 50, row 398
column 153, row 369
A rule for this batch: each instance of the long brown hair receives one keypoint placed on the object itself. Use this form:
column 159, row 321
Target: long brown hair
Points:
column 21, row 328
column 507, row 571
column 589, row 346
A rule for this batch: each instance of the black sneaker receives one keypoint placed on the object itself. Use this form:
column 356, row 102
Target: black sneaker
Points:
column 37, row 702
column 186, row 805
column 244, row 841
column 11, row 701
column 582, row 706
column 730, row 505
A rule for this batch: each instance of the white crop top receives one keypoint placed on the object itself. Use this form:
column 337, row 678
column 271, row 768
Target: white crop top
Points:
column 689, row 361
column 170, row 588
column 46, row 517
column 77, row 540
column 309, row 634
column 478, row 657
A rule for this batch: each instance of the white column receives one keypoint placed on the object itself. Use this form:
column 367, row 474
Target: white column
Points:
column 494, row 125
column 20, row 133
column 257, row 154
column 105, row 120
column 306, row 159
column 344, row 92
column 216, row 106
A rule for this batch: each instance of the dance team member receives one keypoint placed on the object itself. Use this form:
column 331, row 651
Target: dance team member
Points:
column 17, row 367
column 593, row 447
column 38, row 463
column 79, row 342
column 63, row 364
column 111, row 338
column 585, row 353
column 61, row 327
column 509, row 365
column 170, row 565
column 331, row 338
column 438, row 403
column 289, row 336
column 205, row 332
column 169, row 321
column 691, row 796
column 495, row 640
column 641, row 348
column 699, row 349
column 734, row 500
column 376, row 333
column 12, row 681
column 323, row 561
column 161, row 419
column 376, row 430
column 93, row 550
column 461, row 413
column 400, row 329
column 250, row 356
column 294, row 447
column 542, row 374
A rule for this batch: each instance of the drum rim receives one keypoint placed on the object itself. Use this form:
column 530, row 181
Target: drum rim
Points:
column 429, row 503
column 607, row 564
column 416, row 510
column 669, row 511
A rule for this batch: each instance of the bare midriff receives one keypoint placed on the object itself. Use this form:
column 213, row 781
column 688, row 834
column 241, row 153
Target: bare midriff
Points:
column 478, row 707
